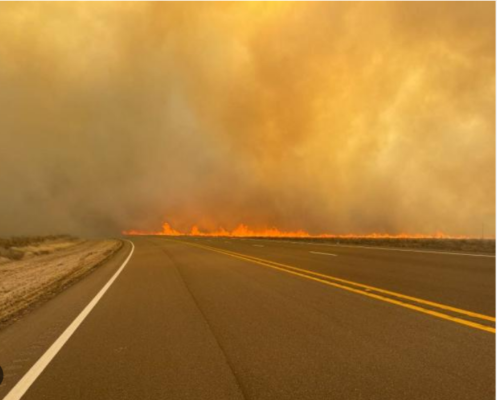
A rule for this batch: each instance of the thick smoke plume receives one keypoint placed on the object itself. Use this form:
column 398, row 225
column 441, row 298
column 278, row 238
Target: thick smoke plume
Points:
column 326, row 117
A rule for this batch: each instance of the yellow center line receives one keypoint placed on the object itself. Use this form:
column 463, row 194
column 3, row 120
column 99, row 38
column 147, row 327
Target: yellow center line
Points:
column 372, row 288
column 318, row 278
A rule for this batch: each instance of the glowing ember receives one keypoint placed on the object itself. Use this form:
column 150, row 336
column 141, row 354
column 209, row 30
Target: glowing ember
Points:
column 244, row 231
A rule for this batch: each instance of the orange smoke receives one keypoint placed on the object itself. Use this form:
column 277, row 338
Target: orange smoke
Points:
column 244, row 231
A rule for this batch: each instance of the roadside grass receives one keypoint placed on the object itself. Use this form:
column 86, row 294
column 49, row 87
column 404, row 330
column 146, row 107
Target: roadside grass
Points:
column 483, row 246
column 16, row 248
column 36, row 270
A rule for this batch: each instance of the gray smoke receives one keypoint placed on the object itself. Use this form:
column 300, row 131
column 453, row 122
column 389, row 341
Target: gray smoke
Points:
column 328, row 117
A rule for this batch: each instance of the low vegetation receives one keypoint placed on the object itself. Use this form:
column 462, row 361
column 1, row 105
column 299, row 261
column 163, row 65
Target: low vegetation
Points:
column 484, row 246
column 36, row 268
column 17, row 248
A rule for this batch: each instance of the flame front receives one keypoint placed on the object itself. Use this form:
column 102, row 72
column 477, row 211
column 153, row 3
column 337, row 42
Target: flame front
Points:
column 243, row 230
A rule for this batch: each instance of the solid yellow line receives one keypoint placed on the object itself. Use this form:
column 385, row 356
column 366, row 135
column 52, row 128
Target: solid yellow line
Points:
column 304, row 273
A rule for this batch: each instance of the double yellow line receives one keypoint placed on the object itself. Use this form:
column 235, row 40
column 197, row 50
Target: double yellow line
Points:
column 365, row 290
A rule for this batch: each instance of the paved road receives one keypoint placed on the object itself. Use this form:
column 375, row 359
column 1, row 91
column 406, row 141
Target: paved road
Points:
column 257, row 319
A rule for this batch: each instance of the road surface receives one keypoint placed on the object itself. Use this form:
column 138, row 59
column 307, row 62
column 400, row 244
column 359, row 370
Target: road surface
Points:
column 205, row 318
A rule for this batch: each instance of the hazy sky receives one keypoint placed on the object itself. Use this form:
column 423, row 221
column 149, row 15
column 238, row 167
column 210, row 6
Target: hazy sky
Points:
column 329, row 117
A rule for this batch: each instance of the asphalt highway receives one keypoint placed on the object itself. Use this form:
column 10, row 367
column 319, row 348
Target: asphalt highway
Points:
column 217, row 318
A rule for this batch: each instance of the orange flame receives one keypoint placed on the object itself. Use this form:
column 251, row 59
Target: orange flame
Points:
column 244, row 231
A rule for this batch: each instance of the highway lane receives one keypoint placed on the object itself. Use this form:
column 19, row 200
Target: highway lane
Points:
column 184, row 322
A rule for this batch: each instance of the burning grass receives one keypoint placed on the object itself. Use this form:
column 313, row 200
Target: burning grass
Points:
column 437, row 241
column 245, row 231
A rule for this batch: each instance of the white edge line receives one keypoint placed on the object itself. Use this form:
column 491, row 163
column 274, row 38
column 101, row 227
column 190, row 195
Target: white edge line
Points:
column 28, row 379
column 326, row 254
column 411, row 251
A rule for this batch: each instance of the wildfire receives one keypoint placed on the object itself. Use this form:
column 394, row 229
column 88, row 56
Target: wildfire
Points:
column 244, row 231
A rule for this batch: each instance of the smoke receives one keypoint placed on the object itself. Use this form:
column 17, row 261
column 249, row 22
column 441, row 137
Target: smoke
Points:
column 328, row 117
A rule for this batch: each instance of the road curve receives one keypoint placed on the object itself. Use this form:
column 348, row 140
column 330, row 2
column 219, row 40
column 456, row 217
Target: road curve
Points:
column 204, row 318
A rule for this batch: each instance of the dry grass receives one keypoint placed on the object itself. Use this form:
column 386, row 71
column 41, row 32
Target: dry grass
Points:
column 46, row 268
column 483, row 246
column 18, row 248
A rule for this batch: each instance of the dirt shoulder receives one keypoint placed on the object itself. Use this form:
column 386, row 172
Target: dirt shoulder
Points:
column 46, row 268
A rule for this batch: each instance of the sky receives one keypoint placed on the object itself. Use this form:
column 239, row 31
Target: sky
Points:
column 324, row 117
